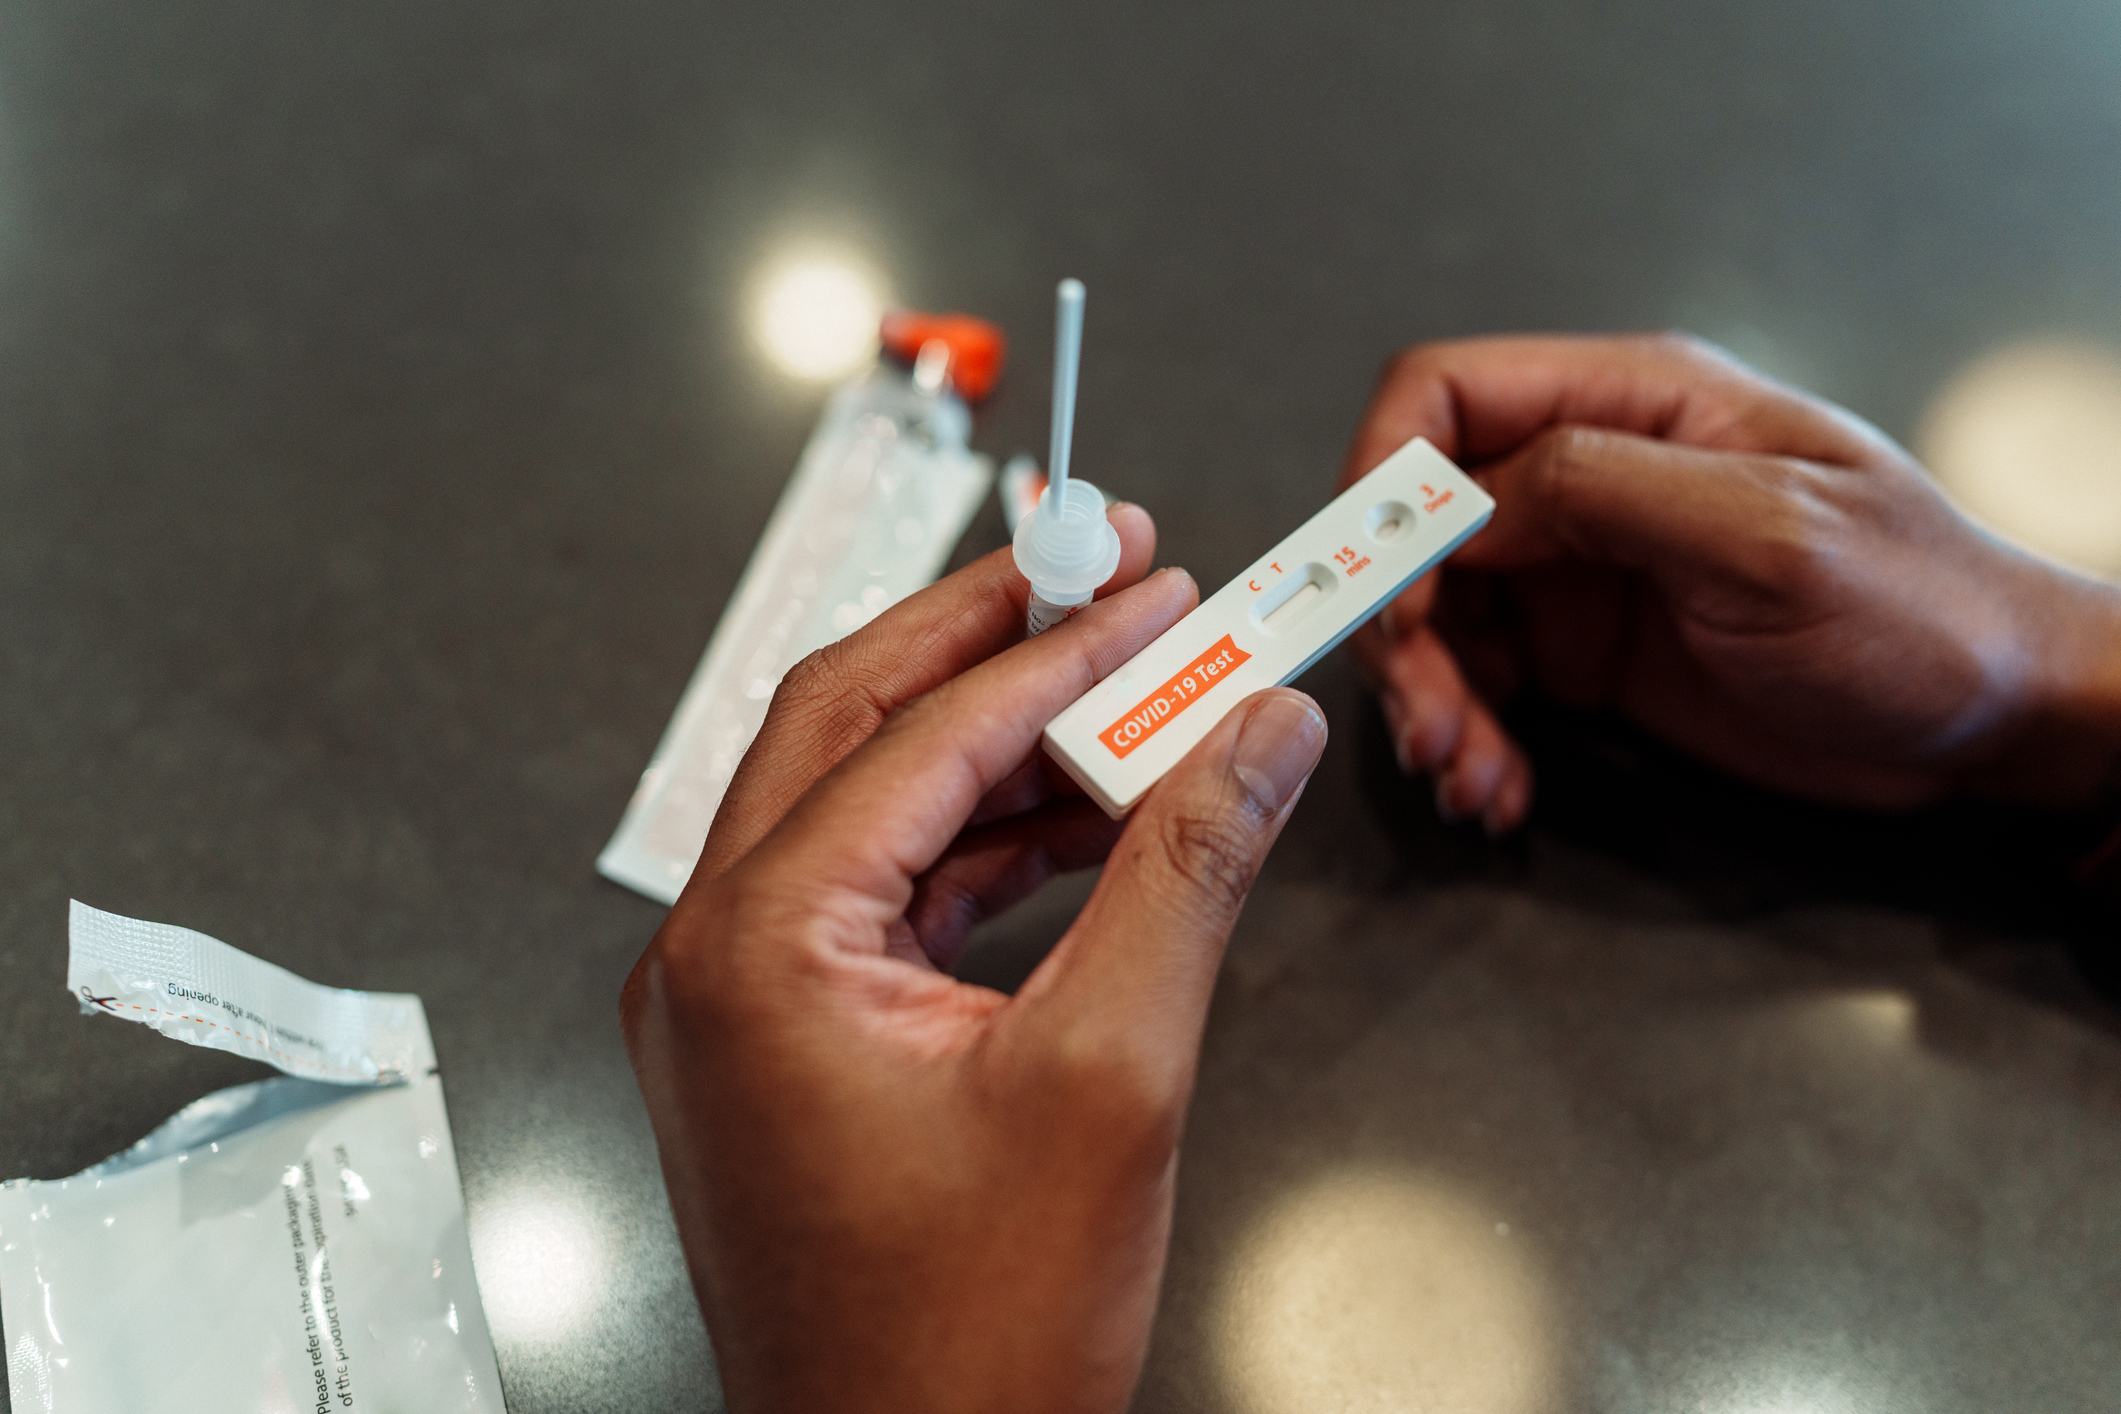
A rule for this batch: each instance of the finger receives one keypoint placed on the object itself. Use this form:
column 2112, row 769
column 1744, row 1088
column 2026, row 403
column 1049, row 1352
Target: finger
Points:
column 1471, row 782
column 833, row 701
column 1029, row 786
column 1411, row 609
column 887, row 813
column 1511, row 804
column 1422, row 693
column 1575, row 632
column 1129, row 982
column 1587, row 496
column 991, row 869
column 1440, row 725
column 1438, row 722
column 1137, row 546
column 1481, row 398
column 1025, row 788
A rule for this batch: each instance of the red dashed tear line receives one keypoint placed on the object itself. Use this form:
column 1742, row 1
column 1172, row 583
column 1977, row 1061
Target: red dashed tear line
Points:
column 298, row 1060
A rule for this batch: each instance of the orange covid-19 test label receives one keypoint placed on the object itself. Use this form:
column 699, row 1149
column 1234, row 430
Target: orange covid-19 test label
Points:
column 1163, row 705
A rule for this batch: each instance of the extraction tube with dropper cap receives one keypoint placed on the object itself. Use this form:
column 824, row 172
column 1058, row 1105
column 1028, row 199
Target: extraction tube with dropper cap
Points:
column 1066, row 547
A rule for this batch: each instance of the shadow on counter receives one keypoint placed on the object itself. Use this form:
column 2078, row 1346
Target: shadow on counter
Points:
column 1994, row 878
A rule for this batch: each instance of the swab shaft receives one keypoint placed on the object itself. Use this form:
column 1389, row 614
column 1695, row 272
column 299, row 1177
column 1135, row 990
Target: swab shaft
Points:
column 1067, row 358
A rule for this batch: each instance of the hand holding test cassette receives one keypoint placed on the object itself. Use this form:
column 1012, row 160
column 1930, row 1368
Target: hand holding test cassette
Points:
column 1270, row 623
column 851, row 1136
column 1751, row 574
column 896, row 796
column 1295, row 603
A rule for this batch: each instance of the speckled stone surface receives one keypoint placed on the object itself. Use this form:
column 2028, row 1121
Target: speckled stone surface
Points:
column 380, row 438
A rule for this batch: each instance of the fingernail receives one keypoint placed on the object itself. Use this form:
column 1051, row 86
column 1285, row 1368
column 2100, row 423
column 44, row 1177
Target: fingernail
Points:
column 1277, row 747
column 1444, row 809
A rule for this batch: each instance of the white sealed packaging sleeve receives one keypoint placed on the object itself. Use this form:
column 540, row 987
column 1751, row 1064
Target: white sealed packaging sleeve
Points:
column 878, row 500
column 288, row 1245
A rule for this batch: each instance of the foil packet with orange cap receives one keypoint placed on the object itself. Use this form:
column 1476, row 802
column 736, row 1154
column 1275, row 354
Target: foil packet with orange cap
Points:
column 883, row 490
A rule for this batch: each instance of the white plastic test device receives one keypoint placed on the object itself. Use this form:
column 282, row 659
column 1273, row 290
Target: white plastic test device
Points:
column 1267, row 625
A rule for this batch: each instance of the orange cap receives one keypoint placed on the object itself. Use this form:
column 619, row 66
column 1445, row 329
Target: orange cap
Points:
column 976, row 347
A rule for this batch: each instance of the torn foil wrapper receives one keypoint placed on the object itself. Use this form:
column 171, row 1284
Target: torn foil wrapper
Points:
column 294, row 1244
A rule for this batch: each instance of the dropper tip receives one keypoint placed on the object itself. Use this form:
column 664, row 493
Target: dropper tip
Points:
column 1071, row 290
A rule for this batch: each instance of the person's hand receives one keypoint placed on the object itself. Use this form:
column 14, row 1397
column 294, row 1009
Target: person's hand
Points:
column 1754, row 575
column 897, row 1191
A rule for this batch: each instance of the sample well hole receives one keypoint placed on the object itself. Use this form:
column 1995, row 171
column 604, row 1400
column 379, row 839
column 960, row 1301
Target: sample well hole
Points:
column 1388, row 521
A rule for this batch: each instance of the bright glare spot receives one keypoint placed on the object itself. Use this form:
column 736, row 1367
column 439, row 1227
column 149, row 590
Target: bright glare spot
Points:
column 817, row 318
column 1769, row 1391
column 2028, row 438
column 1887, row 1017
column 1877, row 1026
column 541, row 1264
column 1372, row 1290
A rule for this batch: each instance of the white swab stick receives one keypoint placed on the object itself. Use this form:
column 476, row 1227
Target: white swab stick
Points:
column 1067, row 358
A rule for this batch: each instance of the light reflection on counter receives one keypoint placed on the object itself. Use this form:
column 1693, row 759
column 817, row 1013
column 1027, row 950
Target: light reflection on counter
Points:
column 815, row 314
column 1777, row 1404
column 1867, row 1032
column 1780, row 1389
column 1374, row 1290
column 2028, row 438
column 542, row 1262
column 1881, row 1016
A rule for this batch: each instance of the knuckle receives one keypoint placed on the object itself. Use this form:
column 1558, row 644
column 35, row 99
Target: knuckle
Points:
column 1120, row 1087
column 1560, row 459
column 1570, row 447
column 689, row 952
column 1214, row 855
column 839, row 696
column 1408, row 364
column 1095, row 1062
column 707, row 953
column 636, row 996
column 907, row 716
column 1684, row 346
column 1793, row 545
column 807, row 678
column 678, row 977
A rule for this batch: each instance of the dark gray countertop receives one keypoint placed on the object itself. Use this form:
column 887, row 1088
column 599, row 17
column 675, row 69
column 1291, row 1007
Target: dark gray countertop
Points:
column 380, row 438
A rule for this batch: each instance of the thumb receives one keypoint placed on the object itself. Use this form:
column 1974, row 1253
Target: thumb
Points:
column 1133, row 976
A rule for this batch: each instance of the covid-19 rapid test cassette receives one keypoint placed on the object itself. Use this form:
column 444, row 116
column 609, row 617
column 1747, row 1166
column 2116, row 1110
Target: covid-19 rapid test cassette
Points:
column 1267, row 625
